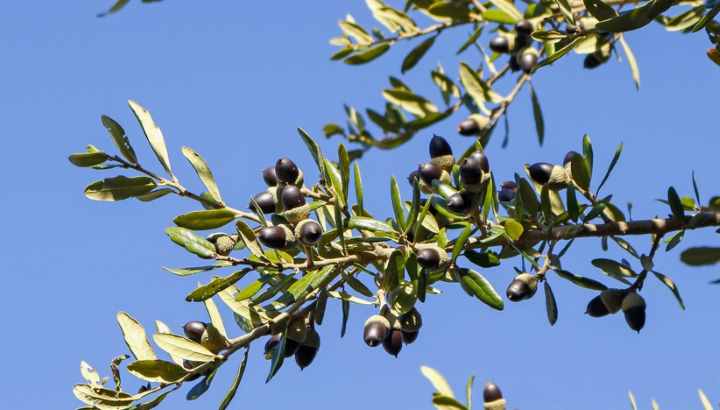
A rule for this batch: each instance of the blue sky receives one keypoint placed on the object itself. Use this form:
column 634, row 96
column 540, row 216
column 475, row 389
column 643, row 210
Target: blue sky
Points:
column 233, row 81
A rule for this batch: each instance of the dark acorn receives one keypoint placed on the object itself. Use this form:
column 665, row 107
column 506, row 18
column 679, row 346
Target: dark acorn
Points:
column 569, row 156
column 528, row 60
column 633, row 307
column 413, row 176
column 265, row 201
column 291, row 197
column 540, row 172
column 524, row 28
column 460, row 202
column 514, row 66
column 439, row 147
column 409, row 337
column 491, row 393
column 522, row 287
column 310, row 232
column 286, row 171
column 473, row 168
column 393, row 342
column 194, row 330
column 428, row 258
column 500, row 44
column 592, row 61
column 468, row 127
column 410, row 324
column 376, row 330
column 270, row 176
column 291, row 347
column 507, row 191
column 596, row 307
column 305, row 355
column 429, row 172
column 273, row 237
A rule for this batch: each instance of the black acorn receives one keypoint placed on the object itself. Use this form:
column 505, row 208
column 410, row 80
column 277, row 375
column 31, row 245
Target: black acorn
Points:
column 265, row 201
column 507, row 191
column 270, row 176
column 393, row 342
column 569, row 156
column 522, row 287
column 524, row 28
column 540, row 172
column 291, row 347
column 410, row 324
column 429, row 172
column 491, row 393
column 633, row 307
column 460, row 202
column 513, row 63
column 527, row 61
column 596, row 307
column 273, row 237
column 309, row 232
column 194, row 330
column 473, row 168
column 305, row 355
column 286, row 171
column 500, row 44
column 439, row 147
column 376, row 330
column 593, row 60
column 291, row 197
column 428, row 258
column 468, row 127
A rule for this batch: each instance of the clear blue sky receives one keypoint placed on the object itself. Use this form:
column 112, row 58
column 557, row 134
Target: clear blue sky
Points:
column 233, row 80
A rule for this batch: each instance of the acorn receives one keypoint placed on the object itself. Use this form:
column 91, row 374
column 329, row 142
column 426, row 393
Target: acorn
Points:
column 500, row 44
column 276, row 237
column 596, row 307
column 528, row 59
column 524, row 28
column 514, row 66
column 522, row 287
column 441, row 153
column 430, row 256
column 308, row 232
column 593, row 60
column 474, row 170
column 266, row 202
column 271, row 344
column 410, row 324
column 291, row 197
column 269, row 176
column 460, row 202
column 194, row 330
column 507, row 191
column 286, row 171
column 291, row 346
column 492, row 397
column 393, row 342
column 633, row 306
column 376, row 330
column 567, row 162
column 540, row 172
column 429, row 172
column 473, row 125
column 224, row 244
column 306, row 352
column 613, row 299
column 413, row 177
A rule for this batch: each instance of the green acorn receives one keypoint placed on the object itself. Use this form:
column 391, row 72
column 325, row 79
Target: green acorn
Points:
column 194, row 330
column 308, row 232
column 306, row 352
column 493, row 397
column 266, row 202
column 276, row 237
column 393, row 342
column 613, row 298
column 633, row 306
column 596, row 307
column 269, row 176
column 376, row 330
column 286, row 171
column 522, row 287
column 441, row 153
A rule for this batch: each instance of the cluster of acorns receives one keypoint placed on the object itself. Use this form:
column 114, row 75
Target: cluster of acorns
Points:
column 613, row 300
column 518, row 44
column 392, row 331
column 206, row 335
column 284, row 194
column 302, row 341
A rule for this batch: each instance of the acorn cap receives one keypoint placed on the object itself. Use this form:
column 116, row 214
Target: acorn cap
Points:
column 500, row 44
column 224, row 244
column 276, row 237
column 269, row 176
column 460, row 202
column 291, row 197
column 491, row 392
column 264, row 200
column 522, row 287
column 439, row 147
column 429, row 172
column 375, row 330
column 286, row 171
column 613, row 299
column 308, row 231
column 540, row 172
column 596, row 307
column 559, row 177
column 393, row 342
column 194, row 330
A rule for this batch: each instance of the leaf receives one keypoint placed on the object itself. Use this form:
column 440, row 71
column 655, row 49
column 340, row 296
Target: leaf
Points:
column 368, row 54
column 550, row 304
column 672, row 286
column 487, row 259
column 183, row 347
column 135, row 337
column 236, row 381
column 581, row 281
column 397, row 202
column 369, row 224
column 247, row 236
column 88, row 159
column 358, row 188
column 215, row 317
column 353, row 30
column 438, row 381
column 704, row 400
column 476, row 87
column 580, row 171
column 203, row 220
column 468, row 391
column 158, row 371
column 152, row 133
column 706, row 18
column 613, row 269
column 345, row 316
column 675, row 204
column 101, row 398
column 599, row 10
column 508, row 8
column 193, row 243
column 701, row 256
column 153, row 195
column 613, row 162
column 635, row 18
column 559, row 53
column 336, row 181
column 203, row 172
column 278, row 356
column 481, row 288
column 472, row 38
column 344, row 164
column 201, row 387
column 314, row 149
column 119, row 188
column 499, row 16
column 90, row 374
column 632, row 62
column 460, row 242
column 442, row 402
column 633, row 402
column 566, row 11
column 537, row 114
column 216, row 285
column 119, row 4
column 588, row 151
column 513, row 228
column 410, row 102
column 416, row 54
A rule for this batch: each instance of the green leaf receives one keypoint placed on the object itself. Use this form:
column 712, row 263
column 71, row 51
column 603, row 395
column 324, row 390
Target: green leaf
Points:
column 158, row 371
column 613, row 162
column 416, row 54
column 633, row 402
column 468, row 391
column 203, row 171
column 635, row 18
column 120, row 138
column 314, row 149
column 588, row 151
column 559, row 53
column 481, row 288
column 278, row 357
column 202, row 220
column 632, row 61
column 460, row 242
column 193, row 243
column 247, row 236
column 344, row 165
column 358, row 188
column 414, row 208
column 90, row 374
column 472, row 38
column 672, row 286
column 581, row 281
column 183, row 347
column 215, row 317
column 572, row 204
column 369, row 224
column 216, row 285
column 119, row 4
column 119, row 188
column 580, row 171
column 509, row 8
column 410, row 102
column 566, row 11
column 447, row 403
column 201, row 387
column 345, row 304
column 135, row 337
column 706, row 18
column 487, row 259
column 527, row 196
column 101, row 398
column 88, row 159
column 599, row 10
column 153, row 134
column 613, row 269
column 550, row 304
column 476, row 87
column 355, row 31
column 336, row 182
column 236, row 381
column 675, row 204
column 704, row 400
column 397, row 202
column 499, row 16
column 153, row 195
column 701, row 256
column 438, row 381
column 537, row 114
column 513, row 228
column 367, row 54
